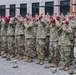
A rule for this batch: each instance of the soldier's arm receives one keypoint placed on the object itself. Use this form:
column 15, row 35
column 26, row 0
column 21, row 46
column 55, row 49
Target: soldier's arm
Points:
column 35, row 24
column 61, row 28
column 74, row 26
column 30, row 25
column 44, row 23
column 69, row 30
column 58, row 25
column 24, row 25
column 47, row 26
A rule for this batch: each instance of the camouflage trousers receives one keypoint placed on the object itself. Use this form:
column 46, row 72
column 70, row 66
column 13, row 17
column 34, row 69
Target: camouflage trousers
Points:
column 75, row 38
column 65, row 53
column 11, row 44
column 4, row 43
column 0, row 45
column 30, row 47
column 41, row 48
column 47, row 46
column 72, row 49
column 20, row 48
column 54, row 51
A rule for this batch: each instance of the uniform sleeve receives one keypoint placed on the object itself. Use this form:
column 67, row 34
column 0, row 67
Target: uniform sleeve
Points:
column 43, row 22
column 69, row 30
column 30, row 25
column 57, row 24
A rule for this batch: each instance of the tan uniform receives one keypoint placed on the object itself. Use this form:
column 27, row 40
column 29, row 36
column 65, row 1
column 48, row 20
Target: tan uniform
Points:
column 41, row 39
column 11, row 36
column 19, row 36
column 53, row 46
column 29, row 39
column 72, row 37
column 65, row 43
column 3, row 36
column 0, row 38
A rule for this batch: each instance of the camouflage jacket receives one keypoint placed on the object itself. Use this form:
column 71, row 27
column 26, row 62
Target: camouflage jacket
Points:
column 35, row 28
column 54, row 34
column 19, row 30
column 64, row 37
column 29, row 31
column 4, row 28
column 10, row 30
column 73, row 26
column 41, row 30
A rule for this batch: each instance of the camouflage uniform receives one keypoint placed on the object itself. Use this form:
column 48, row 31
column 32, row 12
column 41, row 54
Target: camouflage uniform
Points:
column 65, row 43
column 29, row 39
column 3, row 36
column 11, row 36
column 0, row 37
column 19, row 37
column 47, row 36
column 35, row 34
column 72, row 37
column 41, row 39
column 53, row 46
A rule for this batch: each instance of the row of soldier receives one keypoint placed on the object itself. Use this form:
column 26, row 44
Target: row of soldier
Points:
column 42, row 37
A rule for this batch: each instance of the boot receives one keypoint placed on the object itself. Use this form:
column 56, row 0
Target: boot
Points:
column 49, row 61
column 70, row 62
column 20, row 57
column 17, row 56
column 53, row 65
column 73, row 57
column 26, row 60
column 46, row 59
column 71, row 72
column 12, row 55
column 30, row 60
column 41, row 62
column 38, row 62
column 66, row 68
column 0, row 53
column 62, row 68
column 4, row 55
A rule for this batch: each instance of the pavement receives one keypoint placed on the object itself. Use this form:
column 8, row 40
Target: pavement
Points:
column 24, row 68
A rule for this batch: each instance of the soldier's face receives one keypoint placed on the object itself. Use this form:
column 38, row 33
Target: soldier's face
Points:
column 67, row 25
column 53, row 24
column 73, row 19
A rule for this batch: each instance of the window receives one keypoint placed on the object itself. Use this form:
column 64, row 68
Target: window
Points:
column 2, row 10
column 49, row 7
column 23, row 9
column 35, row 8
column 12, row 10
column 65, row 6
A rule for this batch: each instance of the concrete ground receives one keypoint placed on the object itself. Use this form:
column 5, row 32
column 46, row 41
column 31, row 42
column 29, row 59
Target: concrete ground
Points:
column 30, row 68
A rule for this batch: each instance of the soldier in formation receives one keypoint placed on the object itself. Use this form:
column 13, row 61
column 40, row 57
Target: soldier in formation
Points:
column 11, row 37
column 42, row 37
column 19, row 37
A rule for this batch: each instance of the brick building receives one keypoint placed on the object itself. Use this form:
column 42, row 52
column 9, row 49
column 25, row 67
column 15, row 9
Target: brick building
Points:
column 14, row 7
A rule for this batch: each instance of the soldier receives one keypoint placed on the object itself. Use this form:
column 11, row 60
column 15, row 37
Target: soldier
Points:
column 62, row 16
column 4, row 25
column 0, row 34
column 19, row 37
column 41, row 39
column 11, row 37
column 35, row 21
column 68, row 13
column 46, row 18
column 65, row 43
column 29, row 37
column 72, row 37
column 53, row 46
